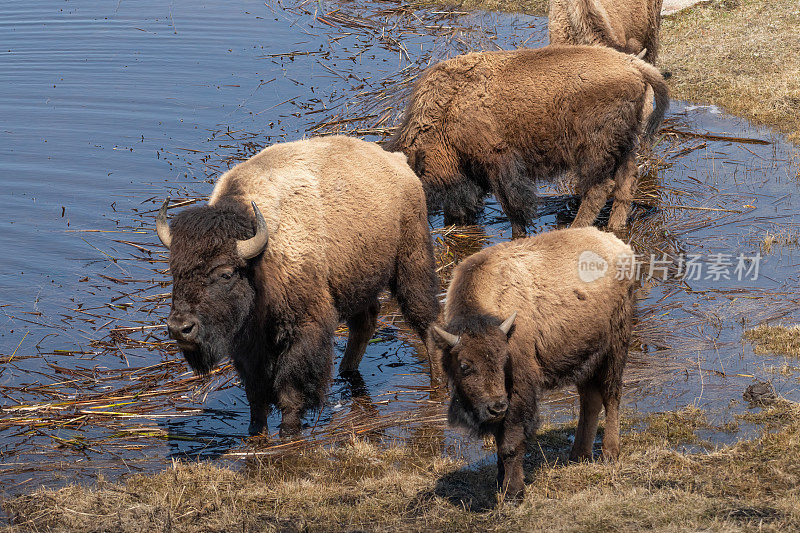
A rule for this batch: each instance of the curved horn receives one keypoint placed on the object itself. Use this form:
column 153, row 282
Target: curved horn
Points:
column 255, row 245
column 162, row 226
column 505, row 327
column 446, row 336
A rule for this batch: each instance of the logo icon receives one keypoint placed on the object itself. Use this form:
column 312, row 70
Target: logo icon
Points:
column 591, row 266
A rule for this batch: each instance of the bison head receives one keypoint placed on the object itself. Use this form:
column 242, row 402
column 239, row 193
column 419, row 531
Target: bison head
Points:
column 476, row 365
column 213, row 295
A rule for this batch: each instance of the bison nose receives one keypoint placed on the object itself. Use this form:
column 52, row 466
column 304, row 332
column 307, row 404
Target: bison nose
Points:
column 182, row 328
column 498, row 408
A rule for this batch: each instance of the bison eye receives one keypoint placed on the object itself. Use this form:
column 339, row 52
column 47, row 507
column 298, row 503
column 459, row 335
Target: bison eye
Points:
column 224, row 273
column 465, row 367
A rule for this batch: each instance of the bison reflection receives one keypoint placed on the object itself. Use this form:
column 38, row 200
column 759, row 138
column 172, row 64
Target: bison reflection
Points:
column 293, row 240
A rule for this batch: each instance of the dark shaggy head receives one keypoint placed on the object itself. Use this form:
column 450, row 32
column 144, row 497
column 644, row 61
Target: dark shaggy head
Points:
column 478, row 368
column 213, row 294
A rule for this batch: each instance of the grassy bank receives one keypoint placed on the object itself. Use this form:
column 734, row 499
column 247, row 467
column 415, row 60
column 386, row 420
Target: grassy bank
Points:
column 742, row 55
column 752, row 484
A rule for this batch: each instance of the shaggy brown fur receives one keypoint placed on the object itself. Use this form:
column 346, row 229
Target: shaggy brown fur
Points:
column 627, row 25
column 345, row 220
column 501, row 121
column 569, row 328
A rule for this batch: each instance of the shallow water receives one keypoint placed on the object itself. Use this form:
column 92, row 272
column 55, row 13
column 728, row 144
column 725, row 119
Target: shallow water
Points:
column 109, row 107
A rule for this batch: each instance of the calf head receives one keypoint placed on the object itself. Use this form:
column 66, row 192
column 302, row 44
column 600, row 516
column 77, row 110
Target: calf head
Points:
column 213, row 294
column 477, row 367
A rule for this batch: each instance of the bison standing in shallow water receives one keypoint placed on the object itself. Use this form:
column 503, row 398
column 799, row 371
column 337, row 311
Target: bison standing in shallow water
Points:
column 531, row 315
column 501, row 121
column 294, row 239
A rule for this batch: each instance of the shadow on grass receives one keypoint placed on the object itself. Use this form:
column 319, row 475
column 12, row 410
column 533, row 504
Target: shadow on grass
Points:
column 475, row 489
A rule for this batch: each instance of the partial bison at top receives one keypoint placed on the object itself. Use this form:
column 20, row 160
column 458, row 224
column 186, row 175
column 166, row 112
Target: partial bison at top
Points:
column 298, row 237
column 501, row 121
column 627, row 25
column 531, row 315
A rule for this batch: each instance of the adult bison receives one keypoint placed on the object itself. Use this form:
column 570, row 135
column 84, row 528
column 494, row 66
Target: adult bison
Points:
column 536, row 314
column 629, row 26
column 502, row 121
column 294, row 239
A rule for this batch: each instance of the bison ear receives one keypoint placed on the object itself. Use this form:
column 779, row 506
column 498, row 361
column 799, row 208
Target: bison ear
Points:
column 446, row 336
column 508, row 323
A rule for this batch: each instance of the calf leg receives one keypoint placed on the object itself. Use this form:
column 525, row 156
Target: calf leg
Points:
column 591, row 401
column 624, row 185
column 361, row 327
column 510, row 439
column 592, row 201
column 611, row 435
column 611, row 377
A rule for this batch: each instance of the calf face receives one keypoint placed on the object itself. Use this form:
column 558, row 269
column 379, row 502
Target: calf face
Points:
column 476, row 364
column 213, row 295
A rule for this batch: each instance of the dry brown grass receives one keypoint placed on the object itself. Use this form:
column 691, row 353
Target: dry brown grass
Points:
column 750, row 485
column 742, row 55
column 775, row 340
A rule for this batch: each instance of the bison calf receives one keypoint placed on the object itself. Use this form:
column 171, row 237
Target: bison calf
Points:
column 501, row 121
column 531, row 315
column 629, row 26
column 333, row 222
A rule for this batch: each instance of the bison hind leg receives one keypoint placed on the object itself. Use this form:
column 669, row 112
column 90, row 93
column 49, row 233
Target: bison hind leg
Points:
column 592, row 201
column 415, row 283
column 624, row 188
column 591, row 401
column 361, row 327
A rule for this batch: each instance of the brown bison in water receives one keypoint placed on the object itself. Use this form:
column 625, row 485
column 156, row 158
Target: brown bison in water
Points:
column 531, row 315
column 501, row 121
column 629, row 26
column 342, row 220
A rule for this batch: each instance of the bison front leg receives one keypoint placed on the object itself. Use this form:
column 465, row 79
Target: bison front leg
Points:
column 510, row 440
column 259, row 407
column 303, row 371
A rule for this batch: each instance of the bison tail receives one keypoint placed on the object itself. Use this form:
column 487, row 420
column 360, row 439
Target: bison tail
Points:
column 654, row 79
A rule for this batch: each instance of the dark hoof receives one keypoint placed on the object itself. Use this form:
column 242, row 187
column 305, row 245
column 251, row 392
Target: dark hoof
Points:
column 256, row 428
column 289, row 432
column 514, row 496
